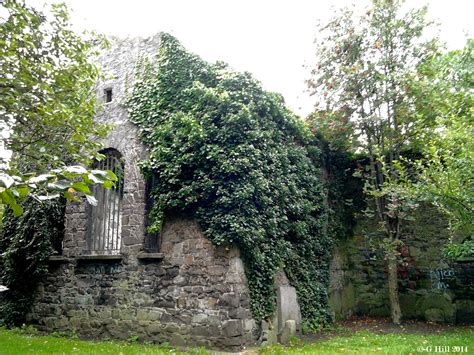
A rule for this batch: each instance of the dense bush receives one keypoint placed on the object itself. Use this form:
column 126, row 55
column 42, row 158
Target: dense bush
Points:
column 233, row 156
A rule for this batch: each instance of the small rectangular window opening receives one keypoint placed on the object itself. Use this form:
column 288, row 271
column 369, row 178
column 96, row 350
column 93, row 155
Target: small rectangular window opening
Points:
column 108, row 95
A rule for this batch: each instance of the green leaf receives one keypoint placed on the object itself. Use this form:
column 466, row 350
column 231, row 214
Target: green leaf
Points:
column 81, row 187
column 17, row 210
column 60, row 185
column 94, row 179
column 22, row 190
column 100, row 173
column 47, row 197
column 71, row 196
column 8, row 197
column 40, row 178
column 111, row 175
column 105, row 174
column 108, row 184
column 76, row 169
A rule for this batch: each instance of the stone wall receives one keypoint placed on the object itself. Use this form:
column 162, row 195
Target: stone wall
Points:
column 191, row 294
column 118, row 65
column 430, row 287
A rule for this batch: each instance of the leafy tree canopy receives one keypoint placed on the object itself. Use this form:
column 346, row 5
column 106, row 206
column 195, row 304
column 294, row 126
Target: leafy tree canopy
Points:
column 47, row 105
column 443, row 92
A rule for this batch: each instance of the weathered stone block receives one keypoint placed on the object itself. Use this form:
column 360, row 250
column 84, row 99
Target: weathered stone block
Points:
column 289, row 329
column 200, row 318
column 216, row 270
column 178, row 340
column 287, row 306
column 229, row 300
column 76, row 322
column 154, row 328
column 142, row 315
column 154, row 315
column 233, row 328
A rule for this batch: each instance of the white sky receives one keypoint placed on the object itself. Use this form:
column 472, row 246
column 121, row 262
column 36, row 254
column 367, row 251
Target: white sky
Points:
column 272, row 39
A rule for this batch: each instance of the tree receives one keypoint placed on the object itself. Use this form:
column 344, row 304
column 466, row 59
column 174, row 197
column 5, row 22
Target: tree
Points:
column 362, row 68
column 47, row 104
column 442, row 90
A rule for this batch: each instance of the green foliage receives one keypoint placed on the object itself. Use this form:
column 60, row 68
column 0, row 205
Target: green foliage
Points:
column 133, row 339
column 344, row 190
column 335, row 127
column 442, row 90
column 363, row 60
column 361, row 77
column 26, row 329
column 47, row 106
column 67, row 181
column 69, row 334
column 26, row 243
column 234, row 157
column 47, row 83
column 462, row 250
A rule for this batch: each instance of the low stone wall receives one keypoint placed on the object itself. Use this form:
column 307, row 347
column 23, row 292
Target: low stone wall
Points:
column 430, row 287
column 191, row 295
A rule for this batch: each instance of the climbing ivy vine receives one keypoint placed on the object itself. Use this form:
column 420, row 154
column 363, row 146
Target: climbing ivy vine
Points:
column 232, row 155
column 26, row 242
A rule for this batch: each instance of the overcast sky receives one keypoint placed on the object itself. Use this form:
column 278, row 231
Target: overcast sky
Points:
column 272, row 39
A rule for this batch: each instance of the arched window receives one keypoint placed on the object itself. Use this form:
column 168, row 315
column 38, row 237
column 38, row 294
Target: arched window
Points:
column 106, row 218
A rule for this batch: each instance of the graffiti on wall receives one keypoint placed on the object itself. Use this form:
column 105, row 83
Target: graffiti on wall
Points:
column 100, row 269
column 440, row 278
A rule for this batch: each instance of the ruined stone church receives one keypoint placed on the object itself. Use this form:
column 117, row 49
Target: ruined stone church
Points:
column 115, row 280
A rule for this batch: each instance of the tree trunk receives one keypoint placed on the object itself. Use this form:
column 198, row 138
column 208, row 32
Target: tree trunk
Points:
column 393, row 288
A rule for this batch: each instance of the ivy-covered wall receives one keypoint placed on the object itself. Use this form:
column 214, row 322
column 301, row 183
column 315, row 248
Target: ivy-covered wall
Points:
column 233, row 156
column 26, row 242
column 431, row 287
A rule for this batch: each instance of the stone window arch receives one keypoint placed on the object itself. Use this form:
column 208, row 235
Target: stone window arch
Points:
column 105, row 219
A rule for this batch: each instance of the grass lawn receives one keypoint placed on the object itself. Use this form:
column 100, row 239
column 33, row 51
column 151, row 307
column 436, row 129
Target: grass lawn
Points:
column 457, row 340
column 20, row 342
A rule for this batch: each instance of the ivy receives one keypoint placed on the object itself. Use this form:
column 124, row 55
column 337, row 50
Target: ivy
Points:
column 345, row 196
column 454, row 251
column 26, row 243
column 232, row 155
